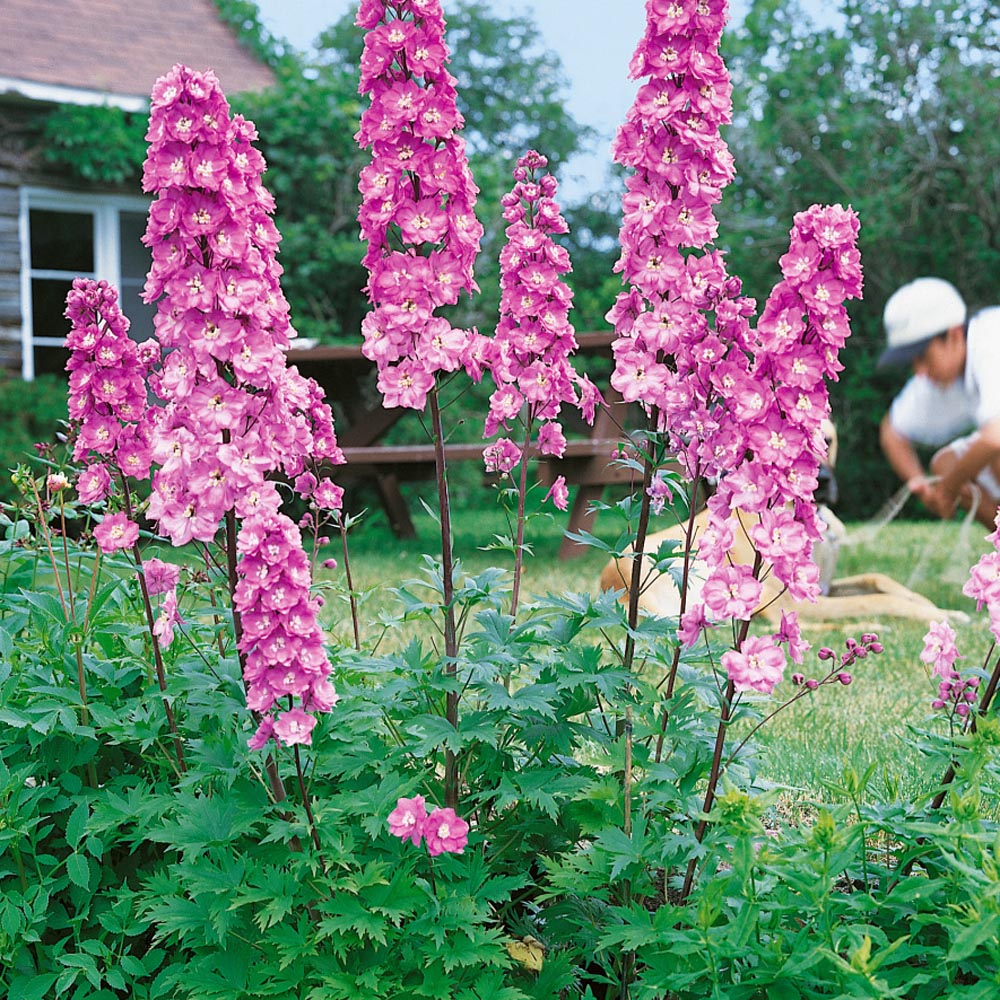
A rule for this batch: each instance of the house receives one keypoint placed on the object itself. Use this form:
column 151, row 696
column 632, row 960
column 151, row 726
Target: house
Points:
column 55, row 226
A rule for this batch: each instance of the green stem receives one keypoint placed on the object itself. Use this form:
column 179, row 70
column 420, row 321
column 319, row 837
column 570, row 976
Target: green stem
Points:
column 451, row 777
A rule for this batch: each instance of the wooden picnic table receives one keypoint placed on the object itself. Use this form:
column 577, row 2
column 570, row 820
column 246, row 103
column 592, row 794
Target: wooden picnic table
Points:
column 347, row 376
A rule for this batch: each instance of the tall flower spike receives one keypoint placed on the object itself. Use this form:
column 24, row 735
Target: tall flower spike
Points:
column 418, row 200
column 740, row 406
column 107, row 400
column 234, row 413
column 529, row 358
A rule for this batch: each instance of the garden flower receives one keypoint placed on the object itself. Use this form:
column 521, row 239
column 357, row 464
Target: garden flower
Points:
column 107, row 389
column 418, row 199
column 739, row 405
column 116, row 532
column 758, row 665
column 161, row 577
column 939, row 650
column 529, row 358
column 558, row 493
column 233, row 412
column 282, row 643
column 445, row 832
column 407, row 820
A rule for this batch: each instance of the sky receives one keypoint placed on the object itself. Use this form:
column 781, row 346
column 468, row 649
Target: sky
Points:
column 594, row 47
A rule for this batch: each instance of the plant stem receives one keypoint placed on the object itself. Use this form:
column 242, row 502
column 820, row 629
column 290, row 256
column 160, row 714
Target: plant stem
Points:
column 161, row 675
column 519, row 537
column 448, row 585
column 308, row 808
column 713, row 781
column 355, row 622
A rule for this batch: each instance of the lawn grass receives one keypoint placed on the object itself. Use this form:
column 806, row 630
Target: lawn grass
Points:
column 808, row 746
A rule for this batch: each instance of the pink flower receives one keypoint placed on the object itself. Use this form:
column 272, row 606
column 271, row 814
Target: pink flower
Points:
column 161, row 577
column 169, row 616
column 116, row 532
column 418, row 197
column 940, row 650
column 407, row 820
column 294, row 726
column 445, row 832
column 558, row 493
column 757, row 666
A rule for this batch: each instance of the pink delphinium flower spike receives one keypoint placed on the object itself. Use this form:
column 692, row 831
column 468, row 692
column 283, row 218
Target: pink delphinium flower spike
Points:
column 418, row 198
column 529, row 358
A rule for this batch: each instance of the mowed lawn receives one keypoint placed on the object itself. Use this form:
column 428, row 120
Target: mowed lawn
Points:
column 807, row 747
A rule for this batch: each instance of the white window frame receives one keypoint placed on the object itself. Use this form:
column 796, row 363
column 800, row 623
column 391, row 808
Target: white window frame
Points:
column 106, row 209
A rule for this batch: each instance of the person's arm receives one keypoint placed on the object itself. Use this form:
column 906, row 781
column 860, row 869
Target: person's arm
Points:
column 902, row 456
column 984, row 447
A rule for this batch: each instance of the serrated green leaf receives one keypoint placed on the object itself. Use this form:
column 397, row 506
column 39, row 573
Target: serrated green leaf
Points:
column 78, row 871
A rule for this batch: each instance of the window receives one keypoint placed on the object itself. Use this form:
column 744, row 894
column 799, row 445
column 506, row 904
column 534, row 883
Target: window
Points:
column 66, row 236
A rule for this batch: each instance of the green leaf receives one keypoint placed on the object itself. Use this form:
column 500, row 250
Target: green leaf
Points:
column 36, row 988
column 76, row 825
column 968, row 940
column 78, row 871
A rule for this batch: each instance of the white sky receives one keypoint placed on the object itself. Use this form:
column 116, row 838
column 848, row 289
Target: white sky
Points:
column 594, row 39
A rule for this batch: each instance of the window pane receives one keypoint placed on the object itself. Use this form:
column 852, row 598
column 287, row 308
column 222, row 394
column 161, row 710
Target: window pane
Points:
column 135, row 263
column 51, row 360
column 61, row 241
column 48, row 303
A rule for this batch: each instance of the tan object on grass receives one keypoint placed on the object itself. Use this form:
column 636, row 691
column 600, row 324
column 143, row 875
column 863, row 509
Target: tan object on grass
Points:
column 866, row 597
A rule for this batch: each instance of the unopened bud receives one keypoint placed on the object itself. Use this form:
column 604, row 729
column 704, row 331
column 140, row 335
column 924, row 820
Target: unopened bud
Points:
column 812, row 683
column 844, row 678
column 825, row 653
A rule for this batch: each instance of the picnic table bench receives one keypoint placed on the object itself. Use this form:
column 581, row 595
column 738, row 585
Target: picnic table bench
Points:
column 345, row 373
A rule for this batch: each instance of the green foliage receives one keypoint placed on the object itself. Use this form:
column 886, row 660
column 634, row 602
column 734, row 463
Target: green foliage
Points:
column 122, row 875
column 30, row 413
column 95, row 143
column 880, row 107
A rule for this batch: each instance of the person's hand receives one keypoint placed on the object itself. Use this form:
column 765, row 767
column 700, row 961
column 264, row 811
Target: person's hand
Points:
column 920, row 487
column 940, row 500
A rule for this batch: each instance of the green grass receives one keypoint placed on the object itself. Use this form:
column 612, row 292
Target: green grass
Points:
column 811, row 743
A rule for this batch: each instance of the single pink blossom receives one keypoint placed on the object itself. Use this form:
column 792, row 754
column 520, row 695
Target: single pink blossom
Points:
column 407, row 820
column 161, row 577
column 940, row 650
column 558, row 493
column 445, row 832
column 758, row 665
column 116, row 532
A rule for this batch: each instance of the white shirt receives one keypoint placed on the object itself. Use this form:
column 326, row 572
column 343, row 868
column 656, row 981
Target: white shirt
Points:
column 982, row 365
column 928, row 414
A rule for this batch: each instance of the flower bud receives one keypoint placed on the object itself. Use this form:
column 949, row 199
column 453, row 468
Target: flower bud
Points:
column 329, row 564
column 812, row 683
column 825, row 653
column 845, row 678
column 798, row 678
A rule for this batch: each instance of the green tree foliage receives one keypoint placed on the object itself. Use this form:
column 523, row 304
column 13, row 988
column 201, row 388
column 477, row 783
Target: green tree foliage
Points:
column 891, row 107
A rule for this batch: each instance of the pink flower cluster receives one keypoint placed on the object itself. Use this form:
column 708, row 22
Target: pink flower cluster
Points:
column 529, row 358
column 956, row 693
column 418, row 201
column 983, row 585
column 740, row 406
column 443, row 830
column 107, row 401
column 282, row 641
column 665, row 350
column 234, row 412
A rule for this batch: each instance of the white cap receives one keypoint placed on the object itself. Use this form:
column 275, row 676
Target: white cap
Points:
column 917, row 313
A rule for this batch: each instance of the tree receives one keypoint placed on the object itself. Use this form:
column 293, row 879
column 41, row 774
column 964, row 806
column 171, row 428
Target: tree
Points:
column 890, row 107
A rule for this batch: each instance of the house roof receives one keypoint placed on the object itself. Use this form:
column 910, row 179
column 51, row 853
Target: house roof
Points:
column 116, row 48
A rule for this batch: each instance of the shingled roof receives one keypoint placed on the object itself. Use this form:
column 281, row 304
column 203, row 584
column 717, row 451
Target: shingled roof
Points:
column 117, row 48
